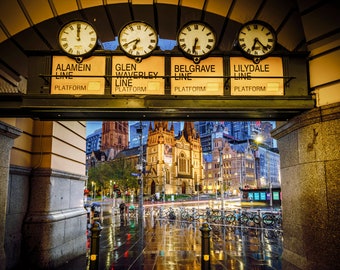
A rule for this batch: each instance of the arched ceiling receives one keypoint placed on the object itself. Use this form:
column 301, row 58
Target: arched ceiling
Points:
column 28, row 27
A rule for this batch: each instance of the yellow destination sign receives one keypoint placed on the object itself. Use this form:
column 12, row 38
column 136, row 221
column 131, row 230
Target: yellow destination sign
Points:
column 204, row 79
column 244, row 72
column 65, row 71
column 131, row 78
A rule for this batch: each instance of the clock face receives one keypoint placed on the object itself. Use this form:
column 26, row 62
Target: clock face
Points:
column 257, row 39
column 138, row 39
column 77, row 38
column 196, row 39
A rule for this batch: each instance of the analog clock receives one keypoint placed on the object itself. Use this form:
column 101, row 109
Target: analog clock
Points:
column 77, row 39
column 138, row 39
column 257, row 40
column 196, row 40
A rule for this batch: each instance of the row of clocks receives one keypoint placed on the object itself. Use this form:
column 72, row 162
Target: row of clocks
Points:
column 195, row 39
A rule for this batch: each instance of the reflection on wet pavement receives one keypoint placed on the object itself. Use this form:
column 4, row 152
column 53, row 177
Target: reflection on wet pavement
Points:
column 156, row 243
column 163, row 244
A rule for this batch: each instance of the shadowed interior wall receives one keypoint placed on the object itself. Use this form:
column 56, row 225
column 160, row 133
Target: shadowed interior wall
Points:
column 45, row 213
column 310, row 164
column 8, row 133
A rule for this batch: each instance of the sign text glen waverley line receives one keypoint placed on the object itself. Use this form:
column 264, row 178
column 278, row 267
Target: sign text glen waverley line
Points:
column 132, row 78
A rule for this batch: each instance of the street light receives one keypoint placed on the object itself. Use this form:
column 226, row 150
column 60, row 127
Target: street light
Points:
column 221, row 178
column 110, row 189
column 141, row 191
column 164, row 180
column 93, row 185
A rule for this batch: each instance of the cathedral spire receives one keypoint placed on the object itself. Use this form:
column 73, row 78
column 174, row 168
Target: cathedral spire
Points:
column 189, row 131
column 161, row 124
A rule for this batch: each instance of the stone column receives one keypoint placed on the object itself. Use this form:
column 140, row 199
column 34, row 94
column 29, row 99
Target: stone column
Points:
column 310, row 169
column 7, row 135
column 55, row 225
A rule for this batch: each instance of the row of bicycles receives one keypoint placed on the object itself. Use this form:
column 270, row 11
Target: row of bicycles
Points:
column 228, row 217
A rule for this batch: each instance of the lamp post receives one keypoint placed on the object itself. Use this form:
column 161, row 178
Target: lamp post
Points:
column 269, row 179
column 271, row 191
column 164, row 182
column 258, row 140
column 92, row 190
column 221, row 179
column 141, row 190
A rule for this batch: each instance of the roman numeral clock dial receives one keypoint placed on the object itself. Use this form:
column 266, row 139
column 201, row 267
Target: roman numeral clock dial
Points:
column 77, row 39
column 257, row 40
column 138, row 39
column 196, row 40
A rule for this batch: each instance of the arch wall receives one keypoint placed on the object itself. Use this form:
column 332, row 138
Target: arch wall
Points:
column 43, row 170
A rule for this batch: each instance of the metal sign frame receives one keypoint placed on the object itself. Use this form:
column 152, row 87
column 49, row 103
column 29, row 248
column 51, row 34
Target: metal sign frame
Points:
column 39, row 103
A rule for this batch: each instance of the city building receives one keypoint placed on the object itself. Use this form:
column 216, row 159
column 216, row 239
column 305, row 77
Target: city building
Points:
column 115, row 137
column 174, row 163
column 244, row 165
column 219, row 170
column 234, row 131
column 93, row 141
column 134, row 136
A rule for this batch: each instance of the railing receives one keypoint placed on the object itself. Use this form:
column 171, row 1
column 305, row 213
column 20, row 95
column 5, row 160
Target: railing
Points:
column 229, row 219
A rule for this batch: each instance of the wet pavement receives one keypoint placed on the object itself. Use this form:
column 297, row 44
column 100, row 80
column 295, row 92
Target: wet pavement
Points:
column 160, row 243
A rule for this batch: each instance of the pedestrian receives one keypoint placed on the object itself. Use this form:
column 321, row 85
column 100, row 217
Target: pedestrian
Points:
column 122, row 208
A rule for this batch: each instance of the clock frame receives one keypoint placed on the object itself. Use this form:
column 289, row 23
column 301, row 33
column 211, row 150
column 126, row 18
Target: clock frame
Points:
column 138, row 39
column 257, row 40
column 196, row 39
column 77, row 39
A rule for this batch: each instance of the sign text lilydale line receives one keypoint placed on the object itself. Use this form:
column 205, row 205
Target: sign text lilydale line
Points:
column 245, row 71
column 262, row 79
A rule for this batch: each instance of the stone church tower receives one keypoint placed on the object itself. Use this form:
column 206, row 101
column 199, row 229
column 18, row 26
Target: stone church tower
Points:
column 115, row 137
column 174, row 164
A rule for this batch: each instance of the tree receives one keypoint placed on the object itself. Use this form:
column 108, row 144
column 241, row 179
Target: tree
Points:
column 99, row 174
column 117, row 170
column 122, row 170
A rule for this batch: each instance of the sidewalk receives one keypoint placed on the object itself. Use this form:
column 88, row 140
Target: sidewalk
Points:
column 160, row 244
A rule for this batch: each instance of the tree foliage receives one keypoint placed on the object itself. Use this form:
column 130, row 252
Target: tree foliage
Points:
column 118, row 171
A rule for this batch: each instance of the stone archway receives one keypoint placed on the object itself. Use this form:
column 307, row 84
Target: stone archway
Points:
column 306, row 140
column 184, row 187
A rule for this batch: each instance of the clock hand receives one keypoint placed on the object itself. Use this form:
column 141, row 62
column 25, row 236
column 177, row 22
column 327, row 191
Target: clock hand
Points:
column 78, row 32
column 135, row 45
column 194, row 46
column 253, row 47
column 258, row 41
column 136, row 40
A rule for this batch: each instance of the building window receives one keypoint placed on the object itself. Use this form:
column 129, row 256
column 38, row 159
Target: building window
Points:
column 183, row 166
column 167, row 175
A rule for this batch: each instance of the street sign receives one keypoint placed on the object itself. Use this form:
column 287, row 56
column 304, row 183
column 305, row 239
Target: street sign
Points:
column 262, row 79
column 203, row 79
column 70, row 77
column 132, row 78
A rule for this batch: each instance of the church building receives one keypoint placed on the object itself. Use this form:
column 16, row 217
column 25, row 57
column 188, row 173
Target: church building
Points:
column 174, row 164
